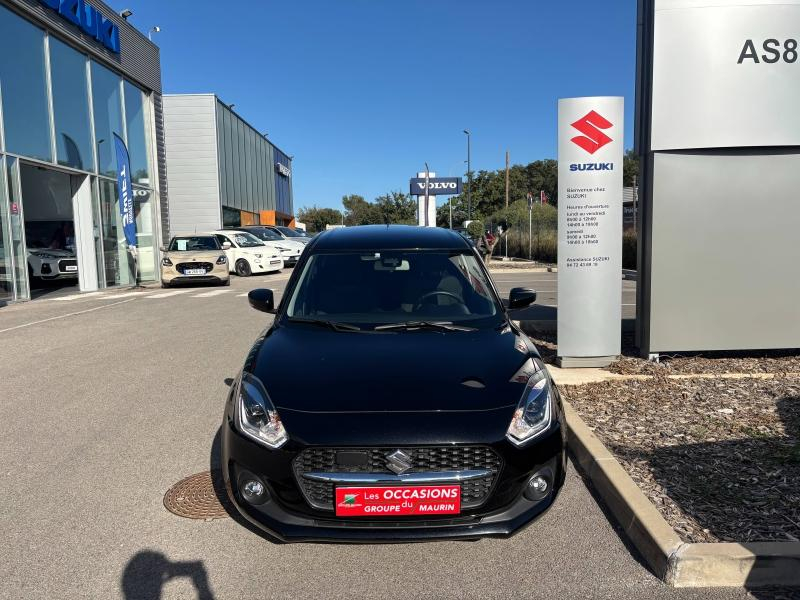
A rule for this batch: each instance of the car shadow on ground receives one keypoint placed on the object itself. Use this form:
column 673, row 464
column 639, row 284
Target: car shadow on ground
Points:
column 148, row 571
column 711, row 481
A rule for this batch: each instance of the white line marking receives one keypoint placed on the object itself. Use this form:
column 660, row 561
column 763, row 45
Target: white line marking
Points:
column 76, row 296
column 125, row 295
column 242, row 295
column 211, row 293
column 167, row 294
column 80, row 312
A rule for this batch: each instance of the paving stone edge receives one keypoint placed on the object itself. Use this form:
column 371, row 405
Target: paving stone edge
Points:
column 675, row 562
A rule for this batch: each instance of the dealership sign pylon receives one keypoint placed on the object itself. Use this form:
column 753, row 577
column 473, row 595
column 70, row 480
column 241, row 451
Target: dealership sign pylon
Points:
column 590, row 144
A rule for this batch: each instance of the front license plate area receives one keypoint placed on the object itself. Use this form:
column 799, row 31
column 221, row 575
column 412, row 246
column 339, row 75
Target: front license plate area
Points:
column 70, row 268
column 194, row 272
column 394, row 501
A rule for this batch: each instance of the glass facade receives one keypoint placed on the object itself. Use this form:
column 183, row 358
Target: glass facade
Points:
column 58, row 106
column 107, row 102
column 23, row 85
column 135, row 125
column 71, row 107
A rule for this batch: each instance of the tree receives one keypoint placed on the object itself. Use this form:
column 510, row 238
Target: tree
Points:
column 630, row 168
column 358, row 211
column 317, row 218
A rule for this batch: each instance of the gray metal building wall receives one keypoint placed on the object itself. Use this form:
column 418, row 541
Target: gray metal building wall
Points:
column 191, row 139
column 247, row 164
column 718, row 209
column 139, row 61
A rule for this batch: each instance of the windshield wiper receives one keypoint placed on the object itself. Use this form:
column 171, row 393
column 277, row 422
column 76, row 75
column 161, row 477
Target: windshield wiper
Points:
column 440, row 325
column 331, row 324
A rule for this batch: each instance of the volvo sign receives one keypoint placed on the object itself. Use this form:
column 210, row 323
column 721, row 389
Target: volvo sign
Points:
column 437, row 186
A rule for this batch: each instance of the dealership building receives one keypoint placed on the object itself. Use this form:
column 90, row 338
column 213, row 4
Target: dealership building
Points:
column 73, row 75
column 222, row 171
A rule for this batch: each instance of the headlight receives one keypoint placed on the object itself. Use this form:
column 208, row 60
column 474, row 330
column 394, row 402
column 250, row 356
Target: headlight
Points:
column 222, row 260
column 166, row 262
column 534, row 413
column 283, row 248
column 256, row 417
column 258, row 256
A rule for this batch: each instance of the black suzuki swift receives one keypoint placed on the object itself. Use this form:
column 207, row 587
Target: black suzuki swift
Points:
column 392, row 398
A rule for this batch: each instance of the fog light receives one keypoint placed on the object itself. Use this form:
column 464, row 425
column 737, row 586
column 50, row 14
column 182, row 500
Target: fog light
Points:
column 254, row 491
column 538, row 487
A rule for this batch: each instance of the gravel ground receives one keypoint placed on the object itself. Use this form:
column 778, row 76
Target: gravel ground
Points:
column 720, row 458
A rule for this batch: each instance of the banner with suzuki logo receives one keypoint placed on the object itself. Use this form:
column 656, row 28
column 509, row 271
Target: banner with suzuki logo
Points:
column 590, row 145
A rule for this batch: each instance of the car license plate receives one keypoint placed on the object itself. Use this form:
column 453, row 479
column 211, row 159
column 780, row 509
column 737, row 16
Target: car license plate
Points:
column 71, row 268
column 398, row 501
column 194, row 272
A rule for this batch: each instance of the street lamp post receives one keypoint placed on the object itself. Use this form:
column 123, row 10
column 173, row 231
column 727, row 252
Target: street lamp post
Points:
column 469, row 178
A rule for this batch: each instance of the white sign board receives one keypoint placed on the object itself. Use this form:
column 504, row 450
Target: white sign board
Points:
column 590, row 144
column 725, row 74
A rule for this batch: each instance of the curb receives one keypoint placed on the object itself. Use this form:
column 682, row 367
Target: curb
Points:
column 676, row 563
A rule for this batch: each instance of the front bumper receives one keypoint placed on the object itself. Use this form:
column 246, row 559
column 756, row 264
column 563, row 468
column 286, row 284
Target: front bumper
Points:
column 288, row 516
column 218, row 274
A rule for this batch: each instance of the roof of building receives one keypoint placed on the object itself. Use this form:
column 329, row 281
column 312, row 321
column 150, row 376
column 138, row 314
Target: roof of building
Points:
column 389, row 237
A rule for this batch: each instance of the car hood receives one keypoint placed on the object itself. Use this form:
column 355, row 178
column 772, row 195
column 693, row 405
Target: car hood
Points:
column 290, row 244
column 265, row 250
column 307, row 368
column 196, row 255
column 52, row 252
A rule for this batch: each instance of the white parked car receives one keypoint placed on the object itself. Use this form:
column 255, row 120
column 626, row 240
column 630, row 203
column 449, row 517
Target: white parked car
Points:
column 49, row 263
column 290, row 249
column 247, row 254
column 291, row 234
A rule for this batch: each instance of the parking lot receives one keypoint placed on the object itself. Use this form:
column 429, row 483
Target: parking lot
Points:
column 108, row 399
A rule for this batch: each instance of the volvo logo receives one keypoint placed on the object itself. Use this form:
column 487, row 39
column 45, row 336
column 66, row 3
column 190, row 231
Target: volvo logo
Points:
column 399, row 462
column 592, row 139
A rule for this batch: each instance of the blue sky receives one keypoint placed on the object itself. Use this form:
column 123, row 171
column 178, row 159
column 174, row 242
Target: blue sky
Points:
column 363, row 92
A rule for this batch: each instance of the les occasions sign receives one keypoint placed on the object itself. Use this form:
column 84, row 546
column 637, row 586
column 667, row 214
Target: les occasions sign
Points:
column 90, row 20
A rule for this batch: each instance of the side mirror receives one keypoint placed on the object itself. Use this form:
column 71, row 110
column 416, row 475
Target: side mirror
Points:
column 263, row 300
column 521, row 297
column 162, row 248
column 226, row 246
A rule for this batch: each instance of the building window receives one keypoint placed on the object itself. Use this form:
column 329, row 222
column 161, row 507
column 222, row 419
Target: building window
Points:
column 23, row 87
column 231, row 217
column 138, row 148
column 71, row 107
column 107, row 104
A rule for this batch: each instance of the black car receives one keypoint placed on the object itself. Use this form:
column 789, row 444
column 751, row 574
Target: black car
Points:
column 425, row 412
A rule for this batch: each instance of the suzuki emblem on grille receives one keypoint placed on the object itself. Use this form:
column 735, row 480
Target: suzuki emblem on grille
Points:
column 399, row 462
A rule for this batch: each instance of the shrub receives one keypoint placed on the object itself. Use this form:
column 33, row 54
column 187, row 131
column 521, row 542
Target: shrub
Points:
column 629, row 249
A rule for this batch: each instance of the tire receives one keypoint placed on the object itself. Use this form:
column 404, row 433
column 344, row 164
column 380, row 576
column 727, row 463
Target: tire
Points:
column 164, row 284
column 243, row 268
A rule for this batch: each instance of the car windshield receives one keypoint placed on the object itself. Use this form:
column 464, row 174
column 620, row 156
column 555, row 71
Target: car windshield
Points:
column 246, row 240
column 394, row 287
column 288, row 231
column 193, row 243
column 266, row 234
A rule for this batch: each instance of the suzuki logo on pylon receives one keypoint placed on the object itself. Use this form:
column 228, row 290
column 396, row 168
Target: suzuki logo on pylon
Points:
column 592, row 139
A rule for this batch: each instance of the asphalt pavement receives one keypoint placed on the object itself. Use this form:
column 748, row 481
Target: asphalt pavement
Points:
column 107, row 400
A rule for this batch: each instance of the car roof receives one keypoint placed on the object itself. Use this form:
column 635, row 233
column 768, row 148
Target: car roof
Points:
column 389, row 237
column 196, row 234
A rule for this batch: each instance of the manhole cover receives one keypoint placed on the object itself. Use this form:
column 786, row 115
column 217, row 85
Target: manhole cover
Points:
column 199, row 496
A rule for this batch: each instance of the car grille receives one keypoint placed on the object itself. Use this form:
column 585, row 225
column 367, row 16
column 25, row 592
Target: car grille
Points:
column 425, row 459
column 63, row 264
column 181, row 267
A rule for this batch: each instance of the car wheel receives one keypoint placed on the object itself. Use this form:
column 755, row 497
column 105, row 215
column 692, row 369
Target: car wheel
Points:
column 164, row 284
column 243, row 268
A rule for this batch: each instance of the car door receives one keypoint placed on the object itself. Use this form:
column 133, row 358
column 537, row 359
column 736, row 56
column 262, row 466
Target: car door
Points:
column 231, row 253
